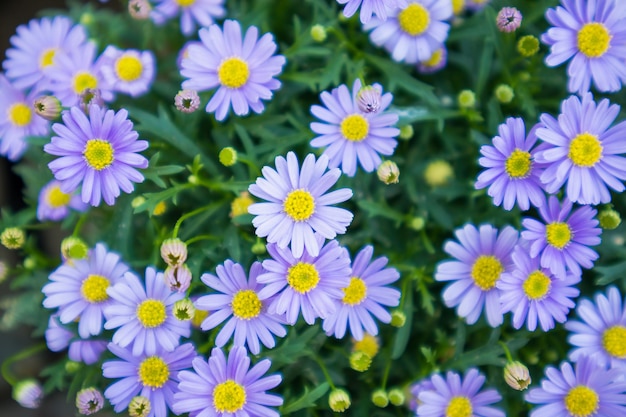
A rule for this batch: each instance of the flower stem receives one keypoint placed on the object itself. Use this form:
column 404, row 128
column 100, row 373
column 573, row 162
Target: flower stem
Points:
column 5, row 369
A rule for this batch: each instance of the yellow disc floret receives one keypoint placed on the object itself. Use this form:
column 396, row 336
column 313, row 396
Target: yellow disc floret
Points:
column 517, row 165
column 233, row 72
column 47, row 58
column 128, row 68
column 57, row 198
column 19, row 114
column 585, row 150
column 594, row 40
column 151, row 313
column 459, row 406
column 558, row 234
column 84, row 80
column 355, row 292
column 354, row 127
column 536, row 285
column 581, row 401
column 98, row 154
column 246, row 304
column 614, row 341
column 228, row 397
column 414, row 20
column 299, row 205
column 486, row 271
column 153, row 372
column 185, row 3
column 94, row 288
column 303, row 277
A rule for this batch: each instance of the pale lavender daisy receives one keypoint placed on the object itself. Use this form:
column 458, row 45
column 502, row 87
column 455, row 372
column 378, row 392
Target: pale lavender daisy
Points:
column 142, row 314
column 297, row 204
column 562, row 240
column 582, row 150
column 436, row 62
column 415, row 390
column 237, row 300
column 192, row 12
column 242, row 70
column 59, row 338
column 128, row 71
column 53, row 204
column 351, row 135
column 591, row 34
column 481, row 257
column 412, row 33
column 227, row 387
column 370, row 7
column 99, row 150
column 367, row 295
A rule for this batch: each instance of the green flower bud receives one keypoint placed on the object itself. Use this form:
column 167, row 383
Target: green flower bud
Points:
column 516, row 375
column 504, row 93
column 380, row 398
column 396, row 397
column 73, row 248
column 318, row 33
column 184, row 309
column 406, row 132
column 228, row 156
column 466, row 99
column 417, row 223
column 13, row 238
column 388, row 172
column 438, row 173
column 398, row 318
column 609, row 219
column 360, row 361
column 339, row 400
column 528, row 46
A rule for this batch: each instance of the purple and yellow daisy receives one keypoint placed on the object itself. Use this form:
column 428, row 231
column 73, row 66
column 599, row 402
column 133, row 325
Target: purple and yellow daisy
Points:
column 437, row 61
column 297, row 205
column 192, row 13
column 59, row 338
column 128, row 71
column 242, row 70
column 370, row 7
column 481, row 257
column 53, row 204
column 98, row 150
column 351, row 135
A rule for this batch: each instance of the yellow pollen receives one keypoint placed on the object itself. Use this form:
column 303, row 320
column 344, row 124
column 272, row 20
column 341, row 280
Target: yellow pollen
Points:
column 518, row 164
column 246, row 304
column 614, row 341
column 303, row 277
column 128, row 68
column 151, row 313
column 228, row 397
column 47, row 58
column 594, row 40
column 20, row 114
column 581, row 401
column 537, row 285
column 84, row 80
column 233, row 72
column 98, row 154
column 459, row 407
column 486, row 271
column 434, row 59
column 94, row 289
column 355, row 292
column 153, row 372
column 299, row 205
column 57, row 198
column 414, row 20
column 585, row 150
column 185, row 3
column 354, row 127
column 558, row 234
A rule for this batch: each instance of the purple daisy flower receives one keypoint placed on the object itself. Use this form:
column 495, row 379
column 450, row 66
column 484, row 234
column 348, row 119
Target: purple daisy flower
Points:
column 98, row 150
column 437, row 61
column 238, row 301
column 53, row 204
column 242, row 70
column 411, row 34
column 589, row 389
column 563, row 239
column 153, row 376
column 593, row 36
column 583, row 150
column 456, row 396
column 227, row 386
column 352, row 135
column 128, row 71
column 35, row 48
column 415, row 390
column 511, row 172
column 59, row 338
column 307, row 283
column 79, row 289
column 297, row 204
column 370, row 7
column 192, row 12
column 533, row 294
column 365, row 297
column 144, row 314
column 601, row 331
column 481, row 258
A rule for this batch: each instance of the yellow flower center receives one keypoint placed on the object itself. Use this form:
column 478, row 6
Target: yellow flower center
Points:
column 367, row 345
column 20, row 114
column 434, row 59
column 299, row 205
column 537, row 285
column 228, row 397
column 98, row 153
column 233, row 72
column 185, row 3
column 517, row 164
column 303, row 277
column 84, row 80
column 153, row 372
column 558, row 234
column 246, row 304
column 151, row 313
column 581, row 401
column 47, row 58
column 128, row 68
column 57, row 198
column 94, row 288
column 459, row 407
column 355, row 127
column 458, row 6
column 614, row 341
column 594, row 40
column 486, row 271
column 414, row 20
column 585, row 150
column 355, row 292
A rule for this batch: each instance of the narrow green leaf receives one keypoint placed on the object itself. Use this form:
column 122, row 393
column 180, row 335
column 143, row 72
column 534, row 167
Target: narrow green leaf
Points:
column 307, row 400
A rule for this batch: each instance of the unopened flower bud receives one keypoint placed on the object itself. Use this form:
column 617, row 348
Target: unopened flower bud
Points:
column 318, row 33
column 380, row 398
column 417, row 223
column 89, row 97
column 187, row 101
column 339, row 400
column 12, row 238
column 504, row 93
column 89, row 401
column 398, row 318
column 438, row 173
column 369, row 344
column 466, row 99
column 174, row 251
column 508, row 19
column 28, row 393
column 396, row 397
column 72, row 366
column 368, row 99
column 73, row 248
column 259, row 248
column 139, row 9
column 516, row 375
column 139, row 406
column 30, row 263
column 406, row 132
column 528, row 46
column 388, row 172
column 137, row 201
column 184, row 309
column 228, row 156
column 609, row 219
column 178, row 278
column 48, row 107
column 360, row 361
column 240, row 204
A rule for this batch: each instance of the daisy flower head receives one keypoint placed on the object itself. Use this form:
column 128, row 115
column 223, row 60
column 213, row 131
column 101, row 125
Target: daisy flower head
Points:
column 533, row 294
column 365, row 296
column 481, row 256
column 79, row 289
column 58, row 338
column 192, row 12
column 592, row 36
column 564, row 237
column 237, row 300
column 511, row 172
column 351, row 135
column 128, row 71
column 35, row 49
column 456, row 396
column 437, row 61
column 370, row 7
column 586, row 390
column 309, row 284
column 142, row 314
column 600, row 332
column 297, row 204
column 153, row 376
column 227, row 386
column 53, row 204
column 582, row 150
column 99, row 150
column 411, row 34
column 242, row 70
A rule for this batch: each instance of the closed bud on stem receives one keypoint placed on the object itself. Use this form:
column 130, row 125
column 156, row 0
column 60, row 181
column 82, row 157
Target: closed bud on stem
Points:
column 13, row 238
column 388, row 172
column 174, row 251
column 178, row 278
column 89, row 401
column 398, row 318
column 339, row 400
column 184, row 309
column 139, row 9
column 396, row 397
column 139, row 407
column 504, row 93
column 368, row 99
column 609, row 219
column 228, row 156
column 360, row 361
column 318, row 33
column 516, row 375
column 28, row 393
column 466, row 99
column 48, row 107
column 406, row 132
column 380, row 398
column 73, row 248
column 187, row 101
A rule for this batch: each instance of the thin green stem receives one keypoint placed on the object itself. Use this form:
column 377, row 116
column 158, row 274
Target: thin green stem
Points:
column 506, row 351
column 387, row 370
column 325, row 371
column 188, row 215
column 199, row 238
column 5, row 369
column 79, row 224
